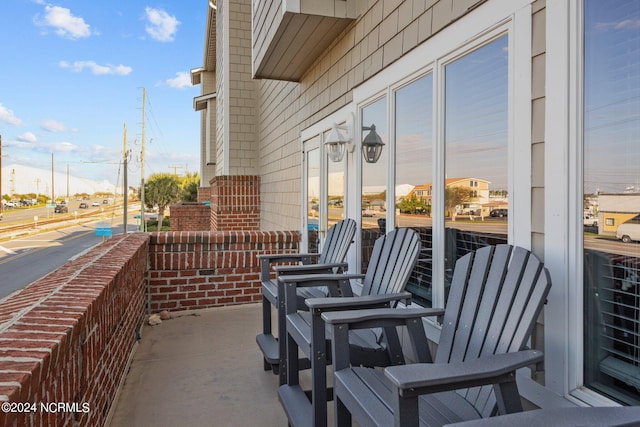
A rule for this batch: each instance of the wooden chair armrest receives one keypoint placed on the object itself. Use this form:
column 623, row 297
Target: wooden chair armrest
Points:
column 273, row 258
column 360, row 319
column 306, row 280
column 357, row 302
column 307, row 269
column 424, row 378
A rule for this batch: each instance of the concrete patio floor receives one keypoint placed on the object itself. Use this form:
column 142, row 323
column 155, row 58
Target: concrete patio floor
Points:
column 200, row 369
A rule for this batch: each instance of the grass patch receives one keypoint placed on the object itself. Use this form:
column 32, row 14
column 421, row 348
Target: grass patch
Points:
column 152, row 225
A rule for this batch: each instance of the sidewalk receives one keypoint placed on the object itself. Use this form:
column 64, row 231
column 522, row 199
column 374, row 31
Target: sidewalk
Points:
column 203, row 369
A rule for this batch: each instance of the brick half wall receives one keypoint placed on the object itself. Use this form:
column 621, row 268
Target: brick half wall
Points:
column 195, row 270
column 67, row 338
column 190, row 217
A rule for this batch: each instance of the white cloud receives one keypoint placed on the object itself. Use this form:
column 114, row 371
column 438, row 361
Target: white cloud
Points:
column 625, row 24
column 65, row 147
column 182, row 80
column 97, row 69
column 51, row 125
column 7, row 116
column 64, row 23
column 161, row 26
column 28, row 137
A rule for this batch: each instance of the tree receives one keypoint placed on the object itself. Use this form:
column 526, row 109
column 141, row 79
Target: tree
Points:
column 190, row 184
column 412, row 205
column 162, row 189
column 454, row 196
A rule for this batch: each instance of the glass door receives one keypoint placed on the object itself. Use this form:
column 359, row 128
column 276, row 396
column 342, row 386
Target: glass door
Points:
column 313, row 215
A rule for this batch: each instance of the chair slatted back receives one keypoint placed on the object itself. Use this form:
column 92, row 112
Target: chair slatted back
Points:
column 394, row 256
column 339, row 238
column 496, row 295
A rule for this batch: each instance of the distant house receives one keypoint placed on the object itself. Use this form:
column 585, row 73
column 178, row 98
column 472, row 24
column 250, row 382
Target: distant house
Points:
column 616, row 209
column 479, row 189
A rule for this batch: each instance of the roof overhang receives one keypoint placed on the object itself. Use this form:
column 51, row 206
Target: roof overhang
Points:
column 200, row 102
column 196, row 75
column 288, row 36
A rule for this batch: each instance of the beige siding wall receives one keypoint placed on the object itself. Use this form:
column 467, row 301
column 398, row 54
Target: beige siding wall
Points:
column 221, row 61
column 237, row 92
column 208, row 135
column 538, row 41
column 382, row 33
column 267, row 18
column 242, row 90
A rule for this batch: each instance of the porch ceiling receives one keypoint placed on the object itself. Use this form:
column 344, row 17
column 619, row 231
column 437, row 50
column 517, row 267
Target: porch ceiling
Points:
column 298, row 41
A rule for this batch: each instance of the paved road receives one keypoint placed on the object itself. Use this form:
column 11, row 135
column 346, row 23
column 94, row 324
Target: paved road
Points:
column 21, row 214
column 26, row 259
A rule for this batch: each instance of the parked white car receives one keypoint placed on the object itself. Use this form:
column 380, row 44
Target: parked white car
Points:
column 628, row 232
column 590, row 220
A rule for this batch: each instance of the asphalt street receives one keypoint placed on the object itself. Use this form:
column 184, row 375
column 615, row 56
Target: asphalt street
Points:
column 26, row 259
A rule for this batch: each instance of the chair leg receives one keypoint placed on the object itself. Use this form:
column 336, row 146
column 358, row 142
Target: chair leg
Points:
column 282, row 337
column 342, row 415
column 266, row 316
column 508, row 397
column 266, row 327
column 318, row 358
column 405, row 410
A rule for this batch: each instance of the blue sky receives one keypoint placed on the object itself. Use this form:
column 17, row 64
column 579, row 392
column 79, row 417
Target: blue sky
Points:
column 71, row 76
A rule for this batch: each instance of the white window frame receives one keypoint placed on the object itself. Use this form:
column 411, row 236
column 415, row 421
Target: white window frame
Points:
column 319, row 130
column 564, row 342
column 469, row 33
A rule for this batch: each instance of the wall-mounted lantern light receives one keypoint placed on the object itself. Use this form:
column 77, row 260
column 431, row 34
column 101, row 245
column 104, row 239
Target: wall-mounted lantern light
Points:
column 338, row 143
column 371, row 145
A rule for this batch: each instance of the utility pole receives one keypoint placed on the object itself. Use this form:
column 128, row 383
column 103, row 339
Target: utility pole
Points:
column 143, row 224
column 12, row 180
column 67, row 182
column 53, row 192
column 174, row 168
column 125, row 184
column 1, row 203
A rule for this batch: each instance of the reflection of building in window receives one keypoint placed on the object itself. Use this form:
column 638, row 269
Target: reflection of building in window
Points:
column 479, row 202
column 616, row 209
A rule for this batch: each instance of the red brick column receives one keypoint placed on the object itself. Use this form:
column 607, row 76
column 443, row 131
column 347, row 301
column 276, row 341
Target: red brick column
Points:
column 190, row 216
column 204, row 194
column 235, row 203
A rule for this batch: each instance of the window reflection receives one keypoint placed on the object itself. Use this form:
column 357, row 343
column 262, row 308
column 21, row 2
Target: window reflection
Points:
column 335, row 190
column 414, row 153
column 611, row 199
column 313, row 198
column 374, row 181
column 476, row 125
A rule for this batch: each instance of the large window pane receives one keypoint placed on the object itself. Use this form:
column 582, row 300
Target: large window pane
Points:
column 612, row 198
column 374, row 179
column 476, row 126
column 414, row 160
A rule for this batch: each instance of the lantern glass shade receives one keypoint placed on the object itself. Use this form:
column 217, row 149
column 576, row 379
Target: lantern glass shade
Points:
column 336, row 144
column 372, row 145
column 335, row 151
